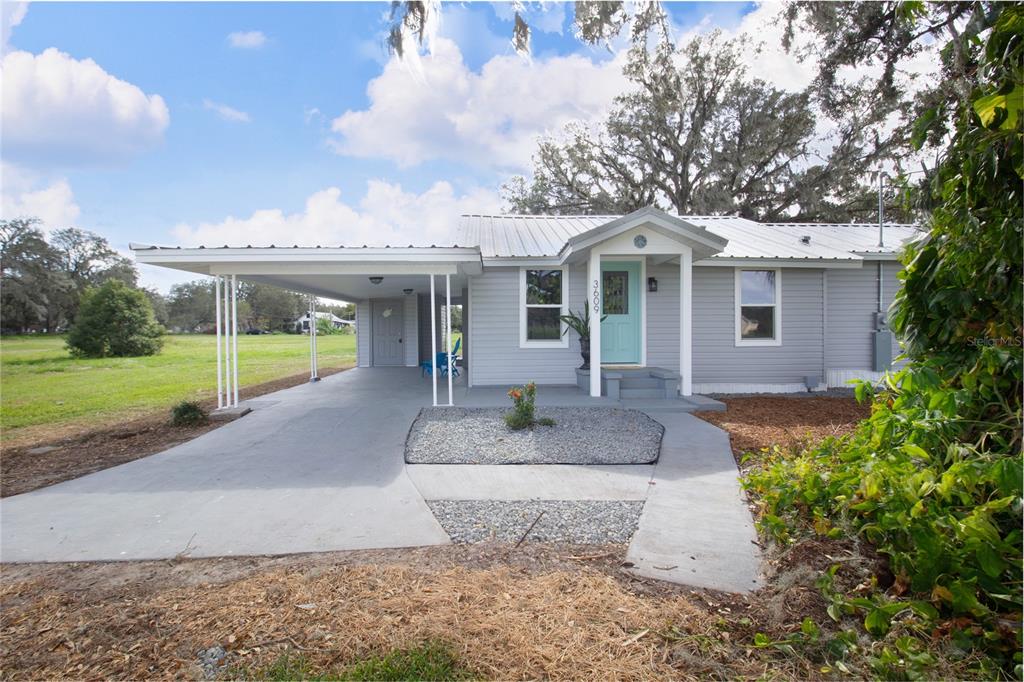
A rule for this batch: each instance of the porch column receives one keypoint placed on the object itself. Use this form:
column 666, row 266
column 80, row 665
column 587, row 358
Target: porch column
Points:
column 686, row 322
column 433, row 339
column 594, row 278
column 234, row 335
column 220, row 376
column 448, row 331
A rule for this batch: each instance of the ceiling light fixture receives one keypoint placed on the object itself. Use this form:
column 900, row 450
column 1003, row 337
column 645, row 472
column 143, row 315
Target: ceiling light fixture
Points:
column 406, row 291
column 376, row 279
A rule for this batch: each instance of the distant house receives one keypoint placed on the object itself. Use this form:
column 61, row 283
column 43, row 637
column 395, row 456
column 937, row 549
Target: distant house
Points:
column 302, row 323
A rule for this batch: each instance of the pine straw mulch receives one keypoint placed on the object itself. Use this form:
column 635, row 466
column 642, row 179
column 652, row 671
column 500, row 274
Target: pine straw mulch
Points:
column 83, row 450
column 542, row 611
column 756, row 422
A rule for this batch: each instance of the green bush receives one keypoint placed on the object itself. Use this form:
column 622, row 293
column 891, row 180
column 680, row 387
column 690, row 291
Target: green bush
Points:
column 115, row 320
column 933, row 479
column 188, row 413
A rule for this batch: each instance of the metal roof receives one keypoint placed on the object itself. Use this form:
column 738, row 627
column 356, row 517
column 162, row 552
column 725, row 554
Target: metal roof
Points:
column 526, row 236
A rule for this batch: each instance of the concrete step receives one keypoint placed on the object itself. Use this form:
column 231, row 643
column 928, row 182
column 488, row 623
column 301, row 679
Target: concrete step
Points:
column 639, row 381
column 641, row 393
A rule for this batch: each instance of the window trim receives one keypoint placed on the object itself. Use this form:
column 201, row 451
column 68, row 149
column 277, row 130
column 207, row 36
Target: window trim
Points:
column 563, row 339
column 777, row 305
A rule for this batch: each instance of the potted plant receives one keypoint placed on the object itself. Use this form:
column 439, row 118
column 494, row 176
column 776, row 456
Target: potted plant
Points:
column 580, row 323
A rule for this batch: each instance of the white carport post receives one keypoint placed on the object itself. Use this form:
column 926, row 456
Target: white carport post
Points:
column 234, row 334
column 220, row 377
column 433, row 339
column 227, row 344
column 313, row 376
column 594, row 272
column 448, row 331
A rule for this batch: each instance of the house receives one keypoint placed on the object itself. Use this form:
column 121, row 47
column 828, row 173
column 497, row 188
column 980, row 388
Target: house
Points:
column 689, row 304
column 302, row 323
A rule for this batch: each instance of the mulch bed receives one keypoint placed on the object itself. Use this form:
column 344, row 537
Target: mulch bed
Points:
column 543, row 611
column 757, row 422
column 92, row 450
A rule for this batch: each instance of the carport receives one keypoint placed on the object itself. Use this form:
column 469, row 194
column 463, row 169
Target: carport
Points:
column 394, row 289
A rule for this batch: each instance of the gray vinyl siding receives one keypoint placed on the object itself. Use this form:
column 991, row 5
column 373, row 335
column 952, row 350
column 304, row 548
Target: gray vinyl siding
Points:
column 716, row 357
column 494, row 326
column 363, row 334
column 663, row 317
column 852, row 302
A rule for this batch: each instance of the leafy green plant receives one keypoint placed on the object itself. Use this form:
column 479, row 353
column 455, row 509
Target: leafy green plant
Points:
column 933, row 479
column 115, row 320
column 580, row 323
column 188, row 413
column 522, row 414
column 523, row 411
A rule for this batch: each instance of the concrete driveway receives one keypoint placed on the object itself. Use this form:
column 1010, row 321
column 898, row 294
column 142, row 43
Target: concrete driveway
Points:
column 312, row 468
column 320, row 467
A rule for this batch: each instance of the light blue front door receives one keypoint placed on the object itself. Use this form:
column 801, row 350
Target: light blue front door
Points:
column 620, row 295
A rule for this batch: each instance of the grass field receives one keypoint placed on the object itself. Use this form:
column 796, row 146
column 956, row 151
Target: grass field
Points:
column 41, row 384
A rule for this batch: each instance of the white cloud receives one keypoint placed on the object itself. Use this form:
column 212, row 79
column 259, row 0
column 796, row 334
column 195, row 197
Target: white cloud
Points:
column 11, row 14
column 60, row 110
column 247, row 40
column 226, row 112
column 386, row 215
column 25, row 195
column 488, row 119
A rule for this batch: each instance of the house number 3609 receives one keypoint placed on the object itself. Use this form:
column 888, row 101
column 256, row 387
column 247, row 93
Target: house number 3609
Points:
column 597, row 297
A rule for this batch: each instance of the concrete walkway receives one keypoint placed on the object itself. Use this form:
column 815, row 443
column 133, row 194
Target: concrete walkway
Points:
column 313, row 468
column 695, row 528
column 531, row 481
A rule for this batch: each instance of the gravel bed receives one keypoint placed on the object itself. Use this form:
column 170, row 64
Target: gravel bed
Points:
column 575, row 521
column 581, row 435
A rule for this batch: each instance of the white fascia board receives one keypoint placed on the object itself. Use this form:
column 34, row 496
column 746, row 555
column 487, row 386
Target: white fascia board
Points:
column 816, row 263
column 886, row 256
column 522, row 262
column 267, row 261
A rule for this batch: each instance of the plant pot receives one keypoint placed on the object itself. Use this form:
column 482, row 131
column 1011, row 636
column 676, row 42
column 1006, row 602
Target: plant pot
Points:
column 585, row 353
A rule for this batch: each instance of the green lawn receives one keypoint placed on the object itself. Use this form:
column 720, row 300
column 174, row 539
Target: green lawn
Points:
column 40, row 383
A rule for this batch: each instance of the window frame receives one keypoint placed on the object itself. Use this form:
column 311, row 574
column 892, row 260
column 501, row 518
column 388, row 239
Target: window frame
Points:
column 777, row 306
column 563, row 308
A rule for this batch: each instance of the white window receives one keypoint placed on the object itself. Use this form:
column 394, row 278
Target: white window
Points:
column 758, row 307
column 543, row 299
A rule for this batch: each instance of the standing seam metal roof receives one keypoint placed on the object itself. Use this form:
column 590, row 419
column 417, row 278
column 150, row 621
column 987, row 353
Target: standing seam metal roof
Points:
column 526, row 236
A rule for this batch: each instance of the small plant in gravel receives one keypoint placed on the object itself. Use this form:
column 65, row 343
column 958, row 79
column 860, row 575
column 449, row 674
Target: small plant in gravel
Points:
column 523, row 414
column 188, row 413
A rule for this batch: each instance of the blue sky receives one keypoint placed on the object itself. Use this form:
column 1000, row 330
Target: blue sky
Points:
column 312, row 133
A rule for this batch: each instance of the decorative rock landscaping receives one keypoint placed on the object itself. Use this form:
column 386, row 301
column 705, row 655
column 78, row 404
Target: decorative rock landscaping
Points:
column 575, row 521
column 581, row 435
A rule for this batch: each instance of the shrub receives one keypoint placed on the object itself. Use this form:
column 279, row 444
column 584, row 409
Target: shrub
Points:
column 188, row 413
column 522, row 415
column 933, row 480
column 115, row 320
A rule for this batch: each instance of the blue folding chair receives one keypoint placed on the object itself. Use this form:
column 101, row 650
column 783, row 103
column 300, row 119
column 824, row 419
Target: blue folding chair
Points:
column 442, row 362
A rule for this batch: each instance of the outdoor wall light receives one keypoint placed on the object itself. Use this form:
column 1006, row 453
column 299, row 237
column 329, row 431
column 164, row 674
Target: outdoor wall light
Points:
column 376, row 279
column 652, row 284
column 407, row 291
